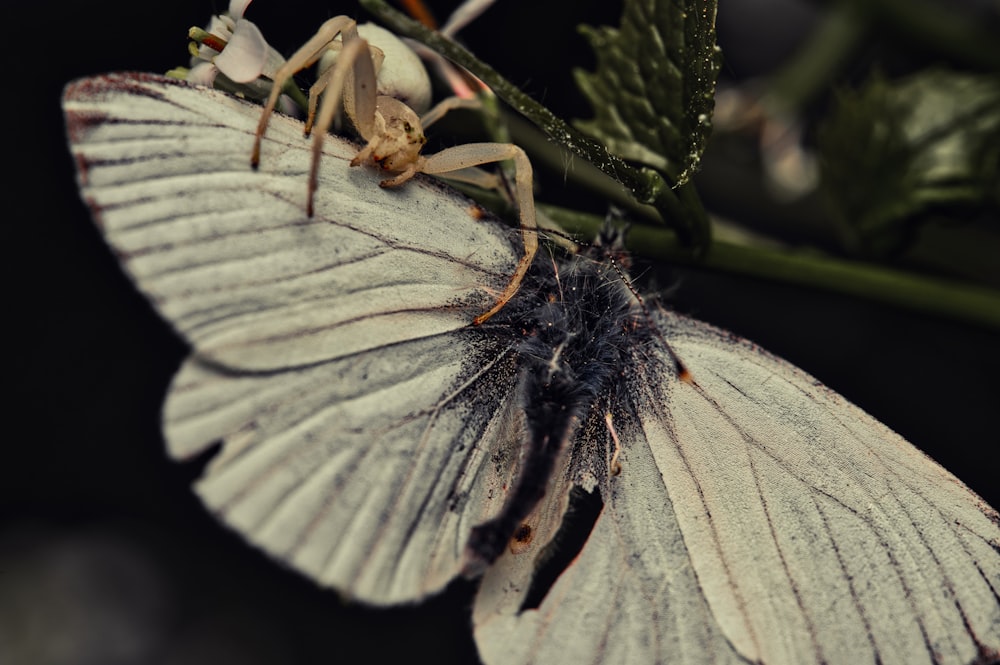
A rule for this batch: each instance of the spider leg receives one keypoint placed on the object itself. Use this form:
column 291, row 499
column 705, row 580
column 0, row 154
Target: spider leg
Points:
column 359, row 100
column 327, row 67
column 478, row 178
column 472, row 154
column 309, row 53
column 403, row 176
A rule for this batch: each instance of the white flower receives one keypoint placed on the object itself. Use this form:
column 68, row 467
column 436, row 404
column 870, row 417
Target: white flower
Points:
column 231, row 54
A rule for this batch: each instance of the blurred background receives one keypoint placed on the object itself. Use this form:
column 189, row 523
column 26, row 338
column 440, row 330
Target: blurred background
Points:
column 106, row 557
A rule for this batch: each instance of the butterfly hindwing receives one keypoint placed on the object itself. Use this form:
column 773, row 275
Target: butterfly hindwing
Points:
column 760, row 517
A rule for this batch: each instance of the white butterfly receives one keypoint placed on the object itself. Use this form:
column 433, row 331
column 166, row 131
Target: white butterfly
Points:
column 367, row 428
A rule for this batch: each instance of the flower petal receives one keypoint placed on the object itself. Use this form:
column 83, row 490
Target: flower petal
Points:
column 237, row 7
column 244, row 57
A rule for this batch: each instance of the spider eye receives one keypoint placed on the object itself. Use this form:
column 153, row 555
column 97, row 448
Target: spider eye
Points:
column 408, row 127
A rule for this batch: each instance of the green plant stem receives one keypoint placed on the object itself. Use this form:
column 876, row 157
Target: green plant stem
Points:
column 646, row 185
column 940, row 297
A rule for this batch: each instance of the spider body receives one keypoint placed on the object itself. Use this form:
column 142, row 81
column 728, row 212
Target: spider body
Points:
column 396, row 140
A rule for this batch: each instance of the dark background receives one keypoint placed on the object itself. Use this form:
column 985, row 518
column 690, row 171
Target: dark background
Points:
column 105, row 554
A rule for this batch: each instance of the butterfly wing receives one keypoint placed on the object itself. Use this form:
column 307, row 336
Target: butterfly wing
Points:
column 227, row 254
column 630, row 596
column 760, row 517
column 332, row 356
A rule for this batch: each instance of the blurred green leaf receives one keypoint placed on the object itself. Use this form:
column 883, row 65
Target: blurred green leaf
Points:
column 653, row 91
column 894, row 152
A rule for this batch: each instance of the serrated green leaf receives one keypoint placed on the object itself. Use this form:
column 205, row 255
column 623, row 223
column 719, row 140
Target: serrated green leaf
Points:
column 894, row 150
column 653, row 91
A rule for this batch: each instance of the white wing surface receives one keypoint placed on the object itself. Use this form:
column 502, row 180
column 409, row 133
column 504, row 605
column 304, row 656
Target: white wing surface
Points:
column 333, row 356
column 760, row 517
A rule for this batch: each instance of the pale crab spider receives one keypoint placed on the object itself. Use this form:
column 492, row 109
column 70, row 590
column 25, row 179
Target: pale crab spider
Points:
column 393, row 132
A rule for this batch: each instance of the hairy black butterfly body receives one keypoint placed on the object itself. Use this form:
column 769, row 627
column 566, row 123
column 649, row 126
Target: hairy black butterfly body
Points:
column 576, row 321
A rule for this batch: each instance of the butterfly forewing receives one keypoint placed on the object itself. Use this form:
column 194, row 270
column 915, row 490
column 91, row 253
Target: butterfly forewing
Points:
column 227, row 253
column 332, row 356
